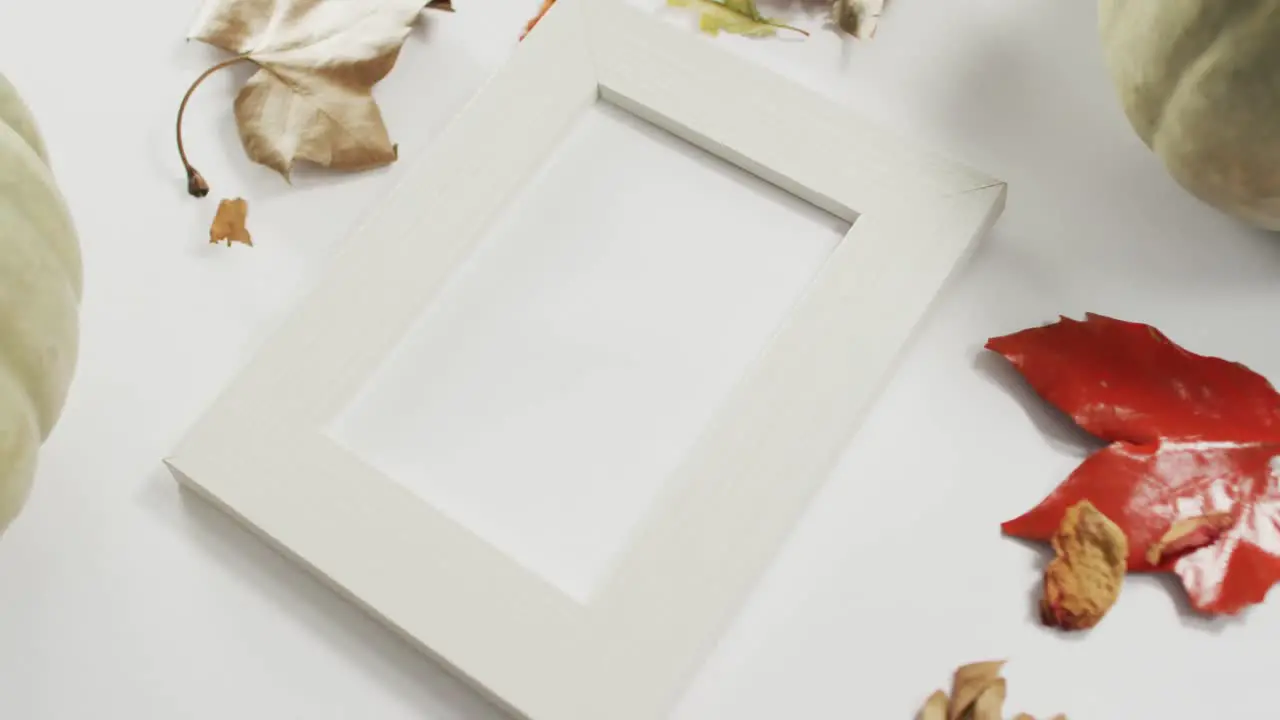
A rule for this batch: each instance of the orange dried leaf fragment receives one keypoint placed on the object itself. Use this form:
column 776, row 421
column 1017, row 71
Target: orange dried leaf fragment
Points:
column 229, row 223
column 1189, row 534
column 1084, row 578
column 546, row 5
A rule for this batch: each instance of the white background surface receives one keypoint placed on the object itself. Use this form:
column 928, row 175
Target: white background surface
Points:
column 121, row 598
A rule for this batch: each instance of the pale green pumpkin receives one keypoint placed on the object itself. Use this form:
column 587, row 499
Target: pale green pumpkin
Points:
column 1200, row 82
column 40, row 285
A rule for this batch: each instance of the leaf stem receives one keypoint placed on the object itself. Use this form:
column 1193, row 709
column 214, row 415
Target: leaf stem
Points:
column 786, row 27
column 196, row 184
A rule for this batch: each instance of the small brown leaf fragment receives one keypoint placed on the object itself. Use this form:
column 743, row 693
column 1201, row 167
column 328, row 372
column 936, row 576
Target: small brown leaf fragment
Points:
column 446, row 5
column 228, row 223
column 1189, row 534
column 1023, row 716
column 935, row 708
column 990, row 703
column 1083, row 580
column 970, row 682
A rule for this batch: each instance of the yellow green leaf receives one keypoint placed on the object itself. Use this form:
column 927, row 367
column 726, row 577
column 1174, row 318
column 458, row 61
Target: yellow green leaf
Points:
column 740, row 17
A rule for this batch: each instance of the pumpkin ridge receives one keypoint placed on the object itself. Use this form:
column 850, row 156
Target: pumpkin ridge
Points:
column 1189, row 75
column 1199, row 81
column 29, row 229
column 1207, row 55
column 41, row 282
column 15, row 114
column 1243, row 186
column 55, row 222
column 1149, row 108
column 19, row 439
column 23, row 357
column 10, row 368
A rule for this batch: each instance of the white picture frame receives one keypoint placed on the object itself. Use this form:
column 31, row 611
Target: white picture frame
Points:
column 259, row 454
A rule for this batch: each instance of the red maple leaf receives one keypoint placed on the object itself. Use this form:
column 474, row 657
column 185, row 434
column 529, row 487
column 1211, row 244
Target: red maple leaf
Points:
column 1190, row 436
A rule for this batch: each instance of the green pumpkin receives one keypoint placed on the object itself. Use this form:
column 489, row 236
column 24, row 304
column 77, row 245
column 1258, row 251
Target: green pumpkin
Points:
column 1200, row 82
column 40, row 286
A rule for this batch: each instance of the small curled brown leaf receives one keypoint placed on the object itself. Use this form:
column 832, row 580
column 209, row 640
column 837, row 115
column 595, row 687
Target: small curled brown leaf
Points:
column 977, row 693
column 1083, row 580
column 1189, row 534
column 969, row 682
column 990, row 702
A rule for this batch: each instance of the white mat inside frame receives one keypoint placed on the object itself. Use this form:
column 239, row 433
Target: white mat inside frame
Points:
column 262, row 452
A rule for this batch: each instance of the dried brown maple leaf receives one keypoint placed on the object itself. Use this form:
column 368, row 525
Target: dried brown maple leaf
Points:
column 318, row 61
column 228, row 223
column 1083, row 580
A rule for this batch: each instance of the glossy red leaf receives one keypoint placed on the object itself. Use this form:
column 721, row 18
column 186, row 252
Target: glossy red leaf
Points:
column 1190, row 435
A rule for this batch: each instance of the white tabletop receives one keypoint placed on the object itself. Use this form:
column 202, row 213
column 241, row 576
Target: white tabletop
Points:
column 122, row 597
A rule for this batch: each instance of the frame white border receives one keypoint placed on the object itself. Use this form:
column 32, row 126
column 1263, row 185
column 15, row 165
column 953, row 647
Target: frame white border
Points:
column 260, row 454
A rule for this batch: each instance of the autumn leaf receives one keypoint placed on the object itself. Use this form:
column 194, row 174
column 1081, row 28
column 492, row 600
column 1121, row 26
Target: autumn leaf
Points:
column 1083, row 580
column 740, row 17
column 1191, row 436
column 970, row 682
column 977, row 693
column 318, row 61
column 990, row 703
column 228, row 223
column 1189, row 534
